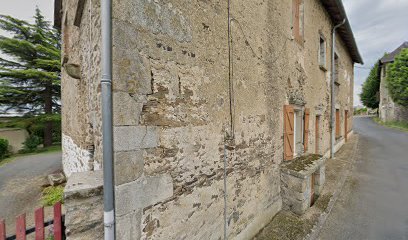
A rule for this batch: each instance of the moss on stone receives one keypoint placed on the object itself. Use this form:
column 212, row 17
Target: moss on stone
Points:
column 286, row 226
column 323, row 201
column 301, row 163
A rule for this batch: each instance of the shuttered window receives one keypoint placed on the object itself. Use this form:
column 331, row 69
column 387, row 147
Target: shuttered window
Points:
column 306, row 130
column 288, row 112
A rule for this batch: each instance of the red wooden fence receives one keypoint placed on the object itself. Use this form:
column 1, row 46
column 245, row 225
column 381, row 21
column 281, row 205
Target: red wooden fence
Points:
column 22, row 232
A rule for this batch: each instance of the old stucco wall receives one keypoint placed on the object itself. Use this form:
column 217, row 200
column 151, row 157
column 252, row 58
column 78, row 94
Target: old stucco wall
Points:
column 15, row 137
column 172, row 113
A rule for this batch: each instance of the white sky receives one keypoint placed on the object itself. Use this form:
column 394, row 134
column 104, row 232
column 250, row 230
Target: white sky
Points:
column 25, row 9
column 379, row 26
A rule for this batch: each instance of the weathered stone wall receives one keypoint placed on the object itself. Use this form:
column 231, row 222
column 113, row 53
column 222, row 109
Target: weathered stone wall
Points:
column 172, row 114
column 388, row 109
column 81, row 124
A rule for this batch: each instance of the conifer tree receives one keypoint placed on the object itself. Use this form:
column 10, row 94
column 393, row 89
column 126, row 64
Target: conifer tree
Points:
column 30, row 69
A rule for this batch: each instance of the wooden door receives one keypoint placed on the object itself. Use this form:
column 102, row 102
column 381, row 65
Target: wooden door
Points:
column 345, row 124
column 317, row 134
column 288, row 131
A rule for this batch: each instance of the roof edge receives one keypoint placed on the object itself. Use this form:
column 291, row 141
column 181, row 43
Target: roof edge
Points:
column 337, row 12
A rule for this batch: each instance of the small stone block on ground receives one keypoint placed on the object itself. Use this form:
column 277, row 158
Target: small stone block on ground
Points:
column 56, row 179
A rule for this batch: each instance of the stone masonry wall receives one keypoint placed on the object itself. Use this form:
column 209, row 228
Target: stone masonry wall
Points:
column 81, row 116
column 388, row 110
column 172, row 114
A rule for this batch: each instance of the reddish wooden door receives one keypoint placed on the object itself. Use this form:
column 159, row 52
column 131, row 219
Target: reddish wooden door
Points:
column 288, row 132
column 337, row 123
column 317, row 134
column 345, row 124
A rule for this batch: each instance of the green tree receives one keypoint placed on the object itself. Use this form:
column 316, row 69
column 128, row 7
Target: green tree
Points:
column 30, row 72
column 371, row 87
column 397, row 78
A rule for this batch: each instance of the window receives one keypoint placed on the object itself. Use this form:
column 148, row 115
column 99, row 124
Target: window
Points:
column 298, row 20
column 336, row 68
column 322, row 53
column 296, row 131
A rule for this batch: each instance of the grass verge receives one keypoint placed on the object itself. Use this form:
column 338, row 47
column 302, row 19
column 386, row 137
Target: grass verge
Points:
column 52, row 195
column 393, row 124
column 56, row 148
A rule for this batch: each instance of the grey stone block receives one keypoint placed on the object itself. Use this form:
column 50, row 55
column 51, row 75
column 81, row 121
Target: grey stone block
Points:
column 128, row 227
column 294, row 183
column 143, row 192
column 291, row 194
column 128, row 138
column 84, row 184
column 128, row 166
column 56, row 179
column 84, row 206
column 320, row 176
column 126, row 109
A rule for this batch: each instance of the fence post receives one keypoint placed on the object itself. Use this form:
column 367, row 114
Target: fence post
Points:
column 39, row 224
column 2, row 230
column 21, row 227
column 57, row 222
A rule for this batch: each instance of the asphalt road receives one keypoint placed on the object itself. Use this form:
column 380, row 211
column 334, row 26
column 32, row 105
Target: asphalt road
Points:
column 374, row 201
column 21, row 180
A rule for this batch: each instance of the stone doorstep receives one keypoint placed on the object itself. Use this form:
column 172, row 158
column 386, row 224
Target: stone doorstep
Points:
column 84, row 185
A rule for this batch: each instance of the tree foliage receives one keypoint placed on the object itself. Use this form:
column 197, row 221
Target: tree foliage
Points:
column 30, row 74
column 397, row 78
column 371, row 87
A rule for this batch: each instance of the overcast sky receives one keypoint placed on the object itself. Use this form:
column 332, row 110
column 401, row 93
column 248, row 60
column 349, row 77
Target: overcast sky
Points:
column 379, row 26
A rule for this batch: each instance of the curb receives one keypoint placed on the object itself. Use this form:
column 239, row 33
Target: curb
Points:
column 314, row 235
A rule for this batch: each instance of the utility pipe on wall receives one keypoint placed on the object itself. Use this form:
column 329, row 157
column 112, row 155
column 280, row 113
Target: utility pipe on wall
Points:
column 107, row 129
column 333, row 100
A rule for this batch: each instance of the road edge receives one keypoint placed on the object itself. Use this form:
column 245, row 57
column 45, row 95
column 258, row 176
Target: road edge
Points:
column 315, row 232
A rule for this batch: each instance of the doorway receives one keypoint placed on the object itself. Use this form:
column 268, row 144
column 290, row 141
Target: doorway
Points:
column 317, row 134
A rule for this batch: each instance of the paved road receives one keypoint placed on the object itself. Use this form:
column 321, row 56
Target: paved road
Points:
column 374, row 201
column 21, row 180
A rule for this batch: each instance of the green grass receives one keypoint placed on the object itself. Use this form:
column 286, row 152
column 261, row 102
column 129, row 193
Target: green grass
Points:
column 56, row 148
column 393, row 124
column 52, row 195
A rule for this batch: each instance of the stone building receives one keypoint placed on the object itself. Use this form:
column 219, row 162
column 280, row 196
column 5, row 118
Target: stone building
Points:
column 388, row 110
column 187, row 101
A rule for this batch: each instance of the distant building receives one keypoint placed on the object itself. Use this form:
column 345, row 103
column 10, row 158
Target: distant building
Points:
column 388, row 110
